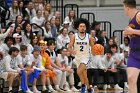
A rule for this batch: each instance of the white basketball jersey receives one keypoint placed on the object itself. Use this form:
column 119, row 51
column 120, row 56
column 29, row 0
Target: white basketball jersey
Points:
column 82, row 47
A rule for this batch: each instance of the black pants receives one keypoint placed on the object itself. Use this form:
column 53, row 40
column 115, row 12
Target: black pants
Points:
column 93, row 75
column 76, row 78
column 115, row 76
column 123, row 73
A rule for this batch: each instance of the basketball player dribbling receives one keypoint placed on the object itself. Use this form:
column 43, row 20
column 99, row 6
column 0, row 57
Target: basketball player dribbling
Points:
column 80, row 44
column 133, row 31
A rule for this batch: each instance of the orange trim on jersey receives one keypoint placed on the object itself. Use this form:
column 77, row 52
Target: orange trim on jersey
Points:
column 137, row 20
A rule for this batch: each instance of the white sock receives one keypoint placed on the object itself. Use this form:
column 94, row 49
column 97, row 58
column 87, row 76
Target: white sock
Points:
column 91, row 86
column 19, row 88
column 125, row 84
column 50, row 87
column 95, row 86
column 10, row 88
column 57, row 87
column 44, row 88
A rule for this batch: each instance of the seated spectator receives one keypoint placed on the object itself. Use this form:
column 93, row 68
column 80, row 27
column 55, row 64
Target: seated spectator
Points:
column 109, row 43
column 110, row 70
column 36, row 63
column 54, row 58
column 7, row 76
column 71, row 66
column 18, row 29
column 5, row 34
column 125, row 45
column 17, row 40
column 49, row 65
column 8, row 43
column 67, row 70
column 23, row 62
column 95, row 67
column 11, row 66
column 118, row 64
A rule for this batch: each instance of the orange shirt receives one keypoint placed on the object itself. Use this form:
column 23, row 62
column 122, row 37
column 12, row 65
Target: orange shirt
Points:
column 46, row 61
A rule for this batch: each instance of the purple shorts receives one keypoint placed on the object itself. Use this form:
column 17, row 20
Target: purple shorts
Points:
column 134, row 59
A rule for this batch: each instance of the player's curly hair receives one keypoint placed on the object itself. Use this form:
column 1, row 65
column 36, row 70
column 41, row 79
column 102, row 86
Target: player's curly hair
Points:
column 81, row 20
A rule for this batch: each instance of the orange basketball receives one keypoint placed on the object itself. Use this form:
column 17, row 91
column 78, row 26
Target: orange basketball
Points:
column 97, row 49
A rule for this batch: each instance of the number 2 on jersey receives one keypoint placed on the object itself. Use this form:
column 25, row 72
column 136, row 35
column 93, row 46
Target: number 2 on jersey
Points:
column 81, row 48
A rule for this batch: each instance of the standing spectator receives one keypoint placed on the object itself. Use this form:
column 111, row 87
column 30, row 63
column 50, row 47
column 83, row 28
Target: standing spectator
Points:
column 46, row 15
column 22, row 10
column 53, row 28
column 14, row 11
column 57, row 14
column 93, row 34
column 30, row 11
column 34, row 41
column 48, row 7
column 63, row 39
column 70, row 19
column 47, row 31
column 102, row 39
column 96, row 26
column 27, row 35
column 18, row 21
column 58, row 24
column 39, row 20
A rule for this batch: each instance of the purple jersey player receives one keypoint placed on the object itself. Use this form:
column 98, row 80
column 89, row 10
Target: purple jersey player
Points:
column 133, row 31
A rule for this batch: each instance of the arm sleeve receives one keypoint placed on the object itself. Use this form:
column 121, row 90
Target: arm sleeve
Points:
column 59, row 45
column 7, row 65
column 40, row 67
column 112, row 64
column 19, row 60
column 101, row 66
column 4, row 35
